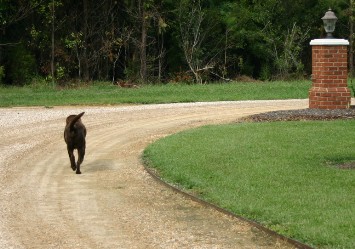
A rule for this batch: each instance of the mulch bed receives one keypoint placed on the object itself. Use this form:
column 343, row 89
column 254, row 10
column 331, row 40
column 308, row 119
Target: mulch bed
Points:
column 302, row 114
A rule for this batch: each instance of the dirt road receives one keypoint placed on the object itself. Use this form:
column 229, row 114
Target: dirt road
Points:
column 114, row 203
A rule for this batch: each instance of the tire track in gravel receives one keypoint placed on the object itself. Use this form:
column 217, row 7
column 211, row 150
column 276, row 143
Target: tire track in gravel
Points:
column 114, row 203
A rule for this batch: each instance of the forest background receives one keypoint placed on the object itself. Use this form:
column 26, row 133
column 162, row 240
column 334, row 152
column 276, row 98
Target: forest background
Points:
column 159, row 41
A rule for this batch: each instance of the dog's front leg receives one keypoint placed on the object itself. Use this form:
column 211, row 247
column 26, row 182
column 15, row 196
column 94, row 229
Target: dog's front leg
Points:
column 72, row 158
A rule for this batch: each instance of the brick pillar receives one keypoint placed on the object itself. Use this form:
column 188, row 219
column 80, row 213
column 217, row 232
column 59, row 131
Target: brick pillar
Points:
column 329, row 75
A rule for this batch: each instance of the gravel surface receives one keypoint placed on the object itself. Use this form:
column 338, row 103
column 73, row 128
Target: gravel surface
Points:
column 114, row 203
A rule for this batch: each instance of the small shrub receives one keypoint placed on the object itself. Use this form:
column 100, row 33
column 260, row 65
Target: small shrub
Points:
column 21, row 65
column 2, row 74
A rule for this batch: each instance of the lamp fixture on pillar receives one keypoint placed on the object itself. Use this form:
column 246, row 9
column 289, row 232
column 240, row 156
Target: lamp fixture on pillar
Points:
column 329, row 20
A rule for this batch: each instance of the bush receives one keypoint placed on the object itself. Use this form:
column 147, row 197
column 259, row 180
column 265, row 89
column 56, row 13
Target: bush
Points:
column 22, row 65
column 2, row 74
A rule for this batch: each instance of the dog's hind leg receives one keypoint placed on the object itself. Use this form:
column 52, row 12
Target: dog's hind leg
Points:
column 72, row 158
column 81, row 154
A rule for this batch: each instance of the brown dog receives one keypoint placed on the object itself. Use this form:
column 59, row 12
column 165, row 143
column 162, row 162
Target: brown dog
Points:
column 74, row 136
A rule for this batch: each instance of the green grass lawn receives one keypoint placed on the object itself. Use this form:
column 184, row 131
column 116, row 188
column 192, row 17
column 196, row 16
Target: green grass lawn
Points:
column 108, row 94
column 281, row 174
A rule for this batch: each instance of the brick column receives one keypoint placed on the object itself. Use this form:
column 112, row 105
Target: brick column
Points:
column 329, row 75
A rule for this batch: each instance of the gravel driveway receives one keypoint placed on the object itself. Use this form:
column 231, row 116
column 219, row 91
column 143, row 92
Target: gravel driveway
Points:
column 114, row 203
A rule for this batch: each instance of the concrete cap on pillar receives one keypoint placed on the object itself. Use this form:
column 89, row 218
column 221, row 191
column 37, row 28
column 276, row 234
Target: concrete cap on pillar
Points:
column 329, row 42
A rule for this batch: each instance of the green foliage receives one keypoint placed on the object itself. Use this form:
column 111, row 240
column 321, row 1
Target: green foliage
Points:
column 248, row 33
column 74, row 40
column 21, row 67
column 265, row 72
column 270, row 172
column 2, row 74
column 288, row 62
column 262, row 34
column 210, row 39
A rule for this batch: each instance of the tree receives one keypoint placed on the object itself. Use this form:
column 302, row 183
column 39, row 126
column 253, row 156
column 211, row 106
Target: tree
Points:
column 287, row 57
column 52, row 39
column 42, row 33
column 143, row 43
column 13, row 11
column 195, row 28
column 250, row 41
column 155, row 40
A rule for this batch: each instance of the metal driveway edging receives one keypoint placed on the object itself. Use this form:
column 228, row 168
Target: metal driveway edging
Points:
column 294, row 242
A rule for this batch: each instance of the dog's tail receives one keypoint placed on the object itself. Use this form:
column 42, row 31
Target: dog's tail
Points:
column 73, row 121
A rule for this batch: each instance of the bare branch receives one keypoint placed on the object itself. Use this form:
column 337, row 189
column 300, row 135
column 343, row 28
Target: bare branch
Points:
column 10, row 44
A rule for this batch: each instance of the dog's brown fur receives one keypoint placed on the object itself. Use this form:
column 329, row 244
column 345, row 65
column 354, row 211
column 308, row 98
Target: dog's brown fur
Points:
column 74, row 136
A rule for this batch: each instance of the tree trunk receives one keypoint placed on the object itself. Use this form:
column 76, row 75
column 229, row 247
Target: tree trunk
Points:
column 52, row 56
column 85, row 63
column 160, row 59
column 143, row 45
